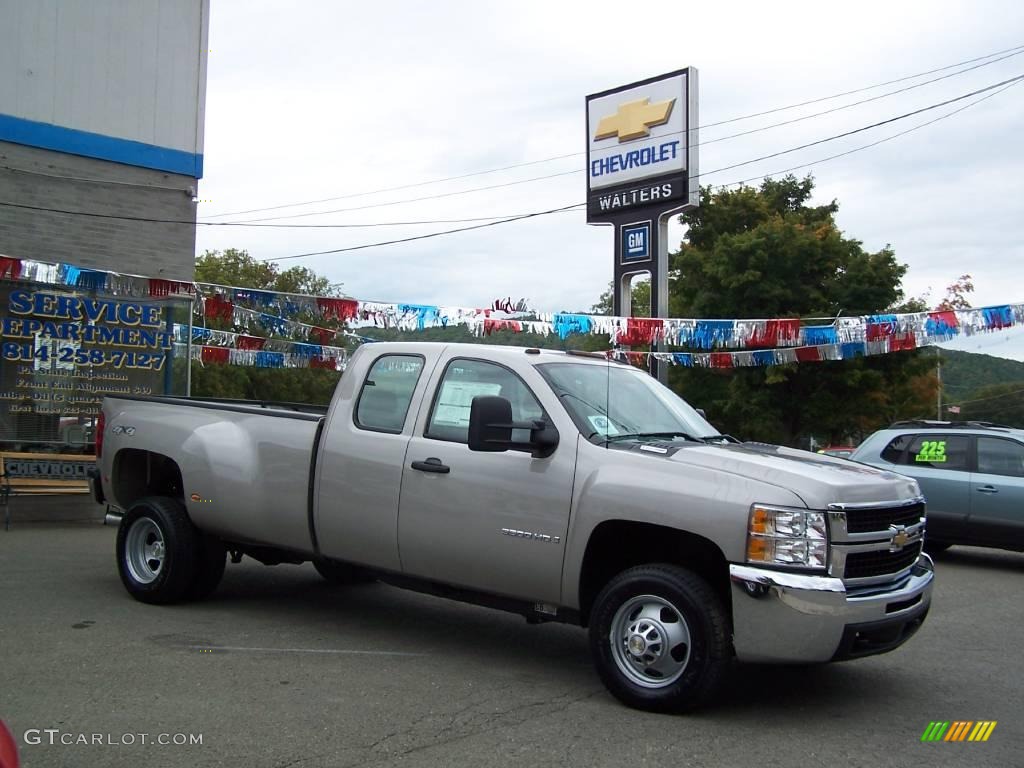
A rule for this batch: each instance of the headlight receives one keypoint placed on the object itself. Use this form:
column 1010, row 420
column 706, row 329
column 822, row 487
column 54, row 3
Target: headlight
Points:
column 790, row 537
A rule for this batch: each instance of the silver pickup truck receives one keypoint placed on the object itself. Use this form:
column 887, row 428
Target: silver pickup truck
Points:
column 555, row 485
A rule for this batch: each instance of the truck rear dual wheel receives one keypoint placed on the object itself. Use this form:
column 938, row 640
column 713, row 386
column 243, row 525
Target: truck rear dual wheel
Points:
column 660, row 638
column 162, row 557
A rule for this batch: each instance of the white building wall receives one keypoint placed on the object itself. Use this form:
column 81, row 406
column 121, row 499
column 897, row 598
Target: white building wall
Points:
column 125, row 69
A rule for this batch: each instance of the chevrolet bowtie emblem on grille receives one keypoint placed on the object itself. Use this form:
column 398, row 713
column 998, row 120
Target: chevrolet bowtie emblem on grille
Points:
column 634, row 119
column 899, row 539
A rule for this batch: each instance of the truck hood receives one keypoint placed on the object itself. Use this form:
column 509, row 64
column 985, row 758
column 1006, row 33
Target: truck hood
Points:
column 817, row 479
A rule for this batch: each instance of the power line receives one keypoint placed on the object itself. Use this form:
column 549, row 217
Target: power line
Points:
column 983, row 399
column 420, row 199
column 861, row 90
column 502, row 219
column 564, row 156
column 577, row 171
column 1003, row 54
column 89, row 180
column 1002, row 86
column 875, row 143
column 432, row 234
column 872, row 125
column 147, row 220
column 855, row 103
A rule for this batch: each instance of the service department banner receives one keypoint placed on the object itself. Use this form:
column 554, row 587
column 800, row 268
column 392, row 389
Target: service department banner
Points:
column 62, row 350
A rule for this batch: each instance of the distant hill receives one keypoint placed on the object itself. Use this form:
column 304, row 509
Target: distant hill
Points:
column 964, row 373
column 987, row 388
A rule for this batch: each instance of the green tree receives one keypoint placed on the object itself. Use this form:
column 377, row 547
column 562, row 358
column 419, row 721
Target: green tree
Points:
column 766, row 252
column 640, row 300
column 236, row 268
column 956, row 294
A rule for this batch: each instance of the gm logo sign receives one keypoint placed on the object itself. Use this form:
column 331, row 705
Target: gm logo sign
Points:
column 636, row 242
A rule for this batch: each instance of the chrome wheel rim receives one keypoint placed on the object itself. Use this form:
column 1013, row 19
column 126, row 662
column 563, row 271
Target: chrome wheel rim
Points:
column 144, row 550
column 650, row 641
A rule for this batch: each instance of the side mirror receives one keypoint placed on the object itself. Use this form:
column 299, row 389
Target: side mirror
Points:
column 491, row 425
column 700, row 412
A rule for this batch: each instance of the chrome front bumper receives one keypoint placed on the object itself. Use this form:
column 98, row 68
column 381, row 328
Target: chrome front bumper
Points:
column 791, row 618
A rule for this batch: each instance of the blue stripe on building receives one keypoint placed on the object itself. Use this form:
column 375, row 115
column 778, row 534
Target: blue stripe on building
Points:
column 17, row 130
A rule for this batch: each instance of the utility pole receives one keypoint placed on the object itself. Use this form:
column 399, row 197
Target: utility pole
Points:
column 938, row 389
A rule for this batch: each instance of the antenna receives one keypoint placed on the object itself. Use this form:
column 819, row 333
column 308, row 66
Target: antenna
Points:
column 608, row 398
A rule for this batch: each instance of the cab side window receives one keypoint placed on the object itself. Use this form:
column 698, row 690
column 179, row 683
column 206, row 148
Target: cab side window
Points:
column 387, row 392
column 1000, row 457
column 938, row 452
column 465, row 379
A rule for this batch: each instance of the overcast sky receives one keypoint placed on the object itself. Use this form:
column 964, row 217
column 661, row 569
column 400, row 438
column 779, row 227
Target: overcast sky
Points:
column 313, row 100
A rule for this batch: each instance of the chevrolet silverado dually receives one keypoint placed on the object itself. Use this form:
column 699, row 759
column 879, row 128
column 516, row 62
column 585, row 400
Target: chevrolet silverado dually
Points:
column 560, row 486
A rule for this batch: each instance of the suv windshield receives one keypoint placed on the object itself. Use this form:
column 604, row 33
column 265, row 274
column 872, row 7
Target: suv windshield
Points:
column 614, row 402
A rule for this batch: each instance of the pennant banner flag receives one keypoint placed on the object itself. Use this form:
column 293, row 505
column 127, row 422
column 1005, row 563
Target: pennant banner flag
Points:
column 278, row 323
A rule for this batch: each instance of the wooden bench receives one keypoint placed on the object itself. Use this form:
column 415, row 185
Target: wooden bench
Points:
column 37, row 486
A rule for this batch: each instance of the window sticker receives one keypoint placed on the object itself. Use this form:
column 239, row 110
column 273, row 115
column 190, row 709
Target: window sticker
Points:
column 602, row 426
column 456, row 398
column 932, row 451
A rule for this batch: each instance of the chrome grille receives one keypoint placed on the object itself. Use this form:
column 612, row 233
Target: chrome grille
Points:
column 879, row 519
column 880, row 562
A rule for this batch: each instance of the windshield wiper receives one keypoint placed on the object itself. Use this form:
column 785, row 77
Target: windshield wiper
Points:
column 719, row 439
column 685, row 435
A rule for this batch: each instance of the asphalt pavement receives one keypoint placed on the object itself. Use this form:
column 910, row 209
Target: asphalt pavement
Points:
column 281, row 670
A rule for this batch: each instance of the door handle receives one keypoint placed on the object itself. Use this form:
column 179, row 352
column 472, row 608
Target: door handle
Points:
column 988, row 489
column 431, row 465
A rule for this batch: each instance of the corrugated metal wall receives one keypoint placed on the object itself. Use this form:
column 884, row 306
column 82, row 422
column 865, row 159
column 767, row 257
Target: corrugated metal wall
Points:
column 128, row 69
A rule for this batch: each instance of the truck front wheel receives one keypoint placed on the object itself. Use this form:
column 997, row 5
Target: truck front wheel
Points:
column 160, row 554
column 660, row 638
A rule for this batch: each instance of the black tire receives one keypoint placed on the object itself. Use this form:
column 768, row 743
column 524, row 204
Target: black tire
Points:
column 936, row 547
column 706, row 656
column 210, row 562
column 337, row 572
column 172, row 571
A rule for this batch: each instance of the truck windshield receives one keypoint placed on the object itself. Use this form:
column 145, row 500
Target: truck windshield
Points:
column 613, row 402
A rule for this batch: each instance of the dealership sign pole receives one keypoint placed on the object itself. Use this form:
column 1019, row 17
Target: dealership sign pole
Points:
column 641, row 169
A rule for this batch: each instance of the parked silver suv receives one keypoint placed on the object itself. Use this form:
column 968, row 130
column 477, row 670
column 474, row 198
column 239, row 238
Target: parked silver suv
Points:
column 971, row 474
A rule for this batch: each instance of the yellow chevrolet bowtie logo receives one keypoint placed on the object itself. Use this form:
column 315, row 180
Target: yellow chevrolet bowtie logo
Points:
column 634, row 119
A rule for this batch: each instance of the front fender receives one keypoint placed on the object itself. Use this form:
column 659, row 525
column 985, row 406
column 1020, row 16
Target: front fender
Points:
column 619, row 485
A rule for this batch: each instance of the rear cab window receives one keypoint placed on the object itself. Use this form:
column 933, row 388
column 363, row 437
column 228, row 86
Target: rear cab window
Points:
column 387, row 393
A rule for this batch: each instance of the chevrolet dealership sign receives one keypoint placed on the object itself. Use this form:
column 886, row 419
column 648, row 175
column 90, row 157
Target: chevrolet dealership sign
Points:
column 641, row 146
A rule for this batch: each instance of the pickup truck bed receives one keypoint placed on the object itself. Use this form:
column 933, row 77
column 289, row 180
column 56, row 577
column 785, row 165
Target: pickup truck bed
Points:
column 257, row 454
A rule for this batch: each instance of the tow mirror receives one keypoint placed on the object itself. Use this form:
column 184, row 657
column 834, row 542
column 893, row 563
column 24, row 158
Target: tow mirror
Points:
column 491, row 425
